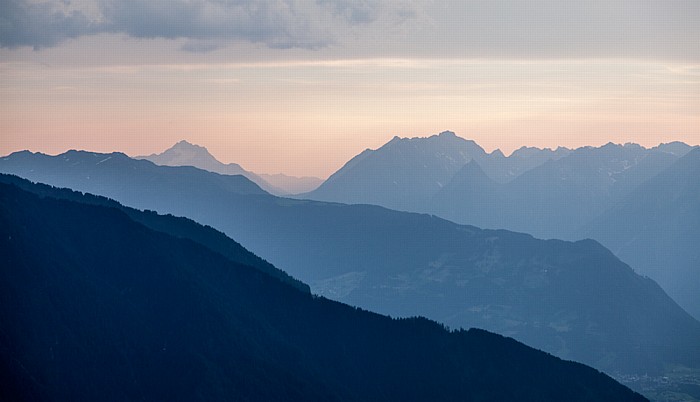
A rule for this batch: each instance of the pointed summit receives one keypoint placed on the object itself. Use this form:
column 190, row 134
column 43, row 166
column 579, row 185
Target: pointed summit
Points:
column 184, row 144
column 472, row 168
column 469, row 178
column 403, row 174
column 497, row 154
column 185, row 153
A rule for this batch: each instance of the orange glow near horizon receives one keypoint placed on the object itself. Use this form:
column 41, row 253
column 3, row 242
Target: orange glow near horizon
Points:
column 303, row 119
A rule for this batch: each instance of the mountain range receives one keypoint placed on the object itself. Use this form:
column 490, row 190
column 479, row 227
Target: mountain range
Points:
column 656, row 229
column 406, row 173
column 573, row 299
column 97, row 306
column 186, row 154
column 597, row 192
column 557, row 198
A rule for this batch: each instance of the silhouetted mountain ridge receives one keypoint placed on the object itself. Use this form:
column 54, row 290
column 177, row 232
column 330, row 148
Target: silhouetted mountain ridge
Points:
column 574, row 300
column 556, row 198
column 174, row 226
column 406, row 173
column 548, row 193
column 184, row 153
column 139, row 178
column 98, row 307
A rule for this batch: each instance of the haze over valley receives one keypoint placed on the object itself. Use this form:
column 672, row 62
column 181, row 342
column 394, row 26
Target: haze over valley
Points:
column 573, row 299
column 332, row 200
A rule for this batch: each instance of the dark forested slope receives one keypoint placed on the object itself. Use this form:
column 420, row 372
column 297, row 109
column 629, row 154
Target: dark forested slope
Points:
column 574, row 300
column 96, row 306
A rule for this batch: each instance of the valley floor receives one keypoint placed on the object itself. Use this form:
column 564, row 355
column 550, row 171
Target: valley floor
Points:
column 679, row 384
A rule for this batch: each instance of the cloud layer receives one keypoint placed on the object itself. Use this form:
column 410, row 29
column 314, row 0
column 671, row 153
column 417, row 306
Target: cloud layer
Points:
column 41, row 24
column 651, row 29
column 207, row 23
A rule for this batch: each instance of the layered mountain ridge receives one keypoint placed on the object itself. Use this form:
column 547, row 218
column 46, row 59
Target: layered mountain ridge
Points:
column 406, row 173
column 575, row 300
column 97, row 306
column 184, row 153
column 549, row 194
column 656, row 228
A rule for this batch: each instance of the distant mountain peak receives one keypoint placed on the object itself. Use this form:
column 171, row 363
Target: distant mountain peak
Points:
column 442, row 135
column 675, row 148
column 186, row 153
column 472, row 164
column 185, row 146
column 498, row 153
column 472, row 174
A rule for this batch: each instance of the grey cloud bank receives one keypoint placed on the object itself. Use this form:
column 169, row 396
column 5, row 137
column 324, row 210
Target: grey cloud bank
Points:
column 457, row 28
column 275, row 23
column 41, row 25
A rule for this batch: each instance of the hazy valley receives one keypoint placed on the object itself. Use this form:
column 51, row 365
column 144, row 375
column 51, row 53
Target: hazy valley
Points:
column 256, row 200
column 575, row 300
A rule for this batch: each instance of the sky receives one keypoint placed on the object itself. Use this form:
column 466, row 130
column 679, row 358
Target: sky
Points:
column 301, row 86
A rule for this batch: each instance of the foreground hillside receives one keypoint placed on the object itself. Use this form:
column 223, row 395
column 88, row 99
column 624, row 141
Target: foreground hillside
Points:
column 176, row 226
column 96, row 306
column 574, row 300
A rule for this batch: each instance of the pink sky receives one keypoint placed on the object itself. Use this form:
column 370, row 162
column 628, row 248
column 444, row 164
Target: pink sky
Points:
column 343, row 77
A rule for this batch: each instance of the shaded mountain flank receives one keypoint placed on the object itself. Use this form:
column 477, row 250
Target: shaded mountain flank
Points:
column 656, row 228
column 575, row 300
column 554, row 194
column 406, row 173
column 179, row 227
column 96, row 306
column 555, row 199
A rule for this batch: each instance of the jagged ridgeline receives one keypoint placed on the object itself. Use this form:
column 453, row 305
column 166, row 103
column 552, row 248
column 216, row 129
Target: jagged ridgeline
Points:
column 101, row 303
column 639, row 202
column 575, row 300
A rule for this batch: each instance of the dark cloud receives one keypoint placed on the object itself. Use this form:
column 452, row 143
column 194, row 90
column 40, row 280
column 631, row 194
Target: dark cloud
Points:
column 650, row 29
column 353, row 11
column 40, row 24
column 275, row 23
column 201, row 46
